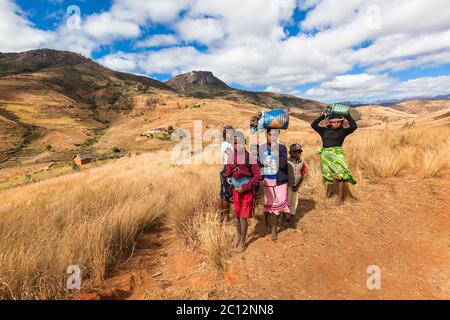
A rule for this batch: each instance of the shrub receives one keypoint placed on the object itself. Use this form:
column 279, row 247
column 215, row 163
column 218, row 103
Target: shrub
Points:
column 75, row 167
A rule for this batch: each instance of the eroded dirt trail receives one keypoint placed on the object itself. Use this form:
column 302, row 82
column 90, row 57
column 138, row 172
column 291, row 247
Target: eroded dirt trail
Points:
column 404, row 228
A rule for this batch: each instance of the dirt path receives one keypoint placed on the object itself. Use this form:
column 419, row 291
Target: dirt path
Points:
column 401, row 225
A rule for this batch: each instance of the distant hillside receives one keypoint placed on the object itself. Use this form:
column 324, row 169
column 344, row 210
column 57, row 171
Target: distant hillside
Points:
column 63, row 100
column 73, row 73
column 204, row 85
column 394, row 102
column 54, row 104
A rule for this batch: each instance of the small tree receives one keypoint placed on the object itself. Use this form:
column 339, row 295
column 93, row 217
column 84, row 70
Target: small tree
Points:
column 92, row 103
column 48, row 147
column 75, row 167
column 116, row 150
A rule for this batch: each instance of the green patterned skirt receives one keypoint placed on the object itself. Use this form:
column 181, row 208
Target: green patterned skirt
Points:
column 335, row 166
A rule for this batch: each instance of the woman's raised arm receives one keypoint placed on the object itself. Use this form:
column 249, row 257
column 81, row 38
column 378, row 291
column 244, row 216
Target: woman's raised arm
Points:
column 353, row 124
column 315, row 123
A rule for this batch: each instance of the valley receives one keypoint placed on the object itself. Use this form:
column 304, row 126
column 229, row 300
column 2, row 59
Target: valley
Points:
column 146, row 228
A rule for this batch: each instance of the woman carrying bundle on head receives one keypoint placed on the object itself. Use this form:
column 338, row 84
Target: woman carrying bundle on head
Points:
column 334, row 164
column 274, row 161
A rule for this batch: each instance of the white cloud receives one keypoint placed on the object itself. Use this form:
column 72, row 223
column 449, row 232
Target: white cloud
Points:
column 247, row 43
column 142, row 11
column 119, row 61
column 158, row 40
column 162, row 61
column 366, row 87
column 124, row 20
column 16, row 32
column 106, row 27
column 427, row 86
column 401, row 51
column 202, row 30
column 253, row 49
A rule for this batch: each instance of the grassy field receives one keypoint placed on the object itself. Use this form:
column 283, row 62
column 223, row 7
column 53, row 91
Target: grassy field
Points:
column 31, row 115
column 93, row 218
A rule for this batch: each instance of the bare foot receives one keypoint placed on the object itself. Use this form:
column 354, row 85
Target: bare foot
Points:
column 241, row 248
column 274, row 235
column 339, row 202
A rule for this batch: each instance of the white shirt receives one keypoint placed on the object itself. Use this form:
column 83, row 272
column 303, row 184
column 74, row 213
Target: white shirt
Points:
column 270, row 164
column 224, row 149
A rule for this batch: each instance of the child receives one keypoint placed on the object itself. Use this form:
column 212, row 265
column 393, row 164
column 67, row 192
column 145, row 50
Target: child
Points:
column 226, row 193
column 297, row 171
column 245, row 176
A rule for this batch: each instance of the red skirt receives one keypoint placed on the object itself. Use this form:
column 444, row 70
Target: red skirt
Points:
column 243, row 204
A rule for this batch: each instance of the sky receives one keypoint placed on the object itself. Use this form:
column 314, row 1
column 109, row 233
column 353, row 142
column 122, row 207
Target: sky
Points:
column 327, row 50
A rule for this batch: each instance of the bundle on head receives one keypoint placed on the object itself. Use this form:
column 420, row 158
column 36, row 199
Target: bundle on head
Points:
column 254, row 122
column 336, row 111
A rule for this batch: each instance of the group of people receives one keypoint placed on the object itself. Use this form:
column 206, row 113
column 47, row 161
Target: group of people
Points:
column 281, row 174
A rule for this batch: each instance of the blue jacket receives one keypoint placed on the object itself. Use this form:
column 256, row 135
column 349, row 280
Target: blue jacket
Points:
column 282, row 175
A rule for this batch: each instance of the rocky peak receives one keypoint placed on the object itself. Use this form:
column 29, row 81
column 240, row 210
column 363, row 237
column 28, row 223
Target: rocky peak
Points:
column 201, row 78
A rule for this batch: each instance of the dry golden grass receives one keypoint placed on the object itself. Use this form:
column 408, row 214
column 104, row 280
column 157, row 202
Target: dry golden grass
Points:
column 93, row 218
column 195, row 217
column 434, row 163
column 214, row 239
column 387, row 153
column 32, row 115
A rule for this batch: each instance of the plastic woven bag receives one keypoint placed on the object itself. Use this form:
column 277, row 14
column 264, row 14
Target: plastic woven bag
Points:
column 337, row 109
column 276, row 119
column 273, row 119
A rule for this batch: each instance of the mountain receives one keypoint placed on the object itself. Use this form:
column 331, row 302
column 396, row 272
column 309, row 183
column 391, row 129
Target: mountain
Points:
column 194, row 81
column 442, row 97
column 394, row 102
column 61, row 99
column 204, row 85
column 68, row 70
column 54, row 104
column 57, row 103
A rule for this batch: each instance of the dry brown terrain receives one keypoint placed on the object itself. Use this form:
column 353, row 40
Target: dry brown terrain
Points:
column 427, row 112
column 325, row 256
column 146, row 228
column 397, row 220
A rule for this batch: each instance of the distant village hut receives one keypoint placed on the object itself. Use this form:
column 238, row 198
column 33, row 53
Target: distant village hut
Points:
column 83, row 158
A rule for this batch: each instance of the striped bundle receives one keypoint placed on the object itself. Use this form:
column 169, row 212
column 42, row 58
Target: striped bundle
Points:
column 337, row 109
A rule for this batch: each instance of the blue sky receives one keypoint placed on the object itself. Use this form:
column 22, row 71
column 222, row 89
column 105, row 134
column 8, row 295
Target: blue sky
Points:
column 328, row 50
